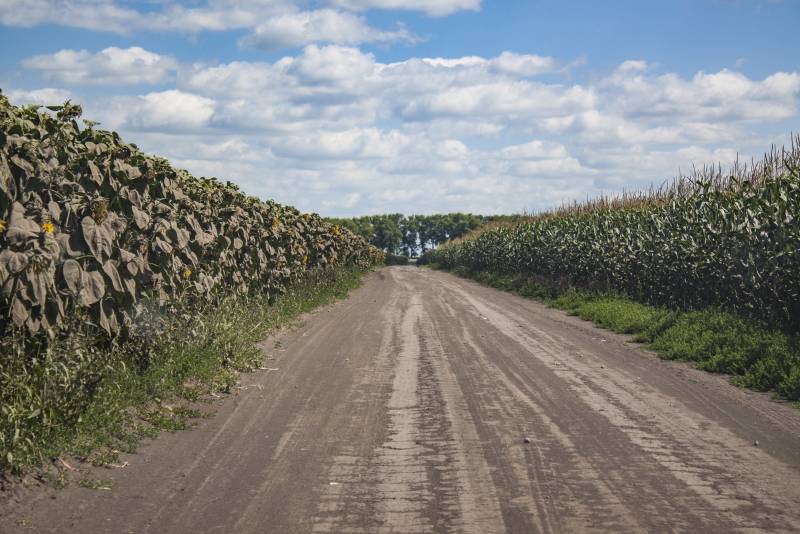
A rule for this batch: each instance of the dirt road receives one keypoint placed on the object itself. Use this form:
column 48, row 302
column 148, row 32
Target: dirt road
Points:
column 407, row 408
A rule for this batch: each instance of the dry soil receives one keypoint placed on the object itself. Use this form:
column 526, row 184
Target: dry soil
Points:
column 428, row 403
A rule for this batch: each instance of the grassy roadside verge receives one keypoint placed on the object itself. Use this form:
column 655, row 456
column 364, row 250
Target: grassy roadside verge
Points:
column 129, row 398
column 755, row 355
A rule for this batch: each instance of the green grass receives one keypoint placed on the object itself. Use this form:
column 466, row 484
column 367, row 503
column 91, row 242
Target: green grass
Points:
column 755, row 355
column 106, row 403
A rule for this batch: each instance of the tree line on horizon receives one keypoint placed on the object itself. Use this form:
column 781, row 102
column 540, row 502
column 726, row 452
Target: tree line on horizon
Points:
column 412, row 235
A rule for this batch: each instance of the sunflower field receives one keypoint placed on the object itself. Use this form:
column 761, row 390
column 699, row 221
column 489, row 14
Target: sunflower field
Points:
column 92, row 227
column 123, row 279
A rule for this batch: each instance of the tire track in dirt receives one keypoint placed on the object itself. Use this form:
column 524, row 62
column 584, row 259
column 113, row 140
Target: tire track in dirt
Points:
column 404, row 409
column 421, row 477
column 743, row 484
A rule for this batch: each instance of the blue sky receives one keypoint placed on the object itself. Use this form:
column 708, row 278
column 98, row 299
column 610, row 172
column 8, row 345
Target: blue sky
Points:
column 348, row 107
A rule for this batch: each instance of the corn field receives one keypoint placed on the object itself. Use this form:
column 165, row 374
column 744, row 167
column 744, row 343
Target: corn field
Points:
column 708, row 240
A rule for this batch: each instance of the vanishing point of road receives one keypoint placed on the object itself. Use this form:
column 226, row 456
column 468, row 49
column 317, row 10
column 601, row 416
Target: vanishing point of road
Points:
column 428, row 403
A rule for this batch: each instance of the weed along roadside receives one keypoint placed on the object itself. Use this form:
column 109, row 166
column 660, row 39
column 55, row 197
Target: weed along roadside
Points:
column 128, row 286
column 706, row 270
column 201, row 363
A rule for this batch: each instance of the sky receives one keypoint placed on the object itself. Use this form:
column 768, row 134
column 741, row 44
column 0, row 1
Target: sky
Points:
column 357, row 107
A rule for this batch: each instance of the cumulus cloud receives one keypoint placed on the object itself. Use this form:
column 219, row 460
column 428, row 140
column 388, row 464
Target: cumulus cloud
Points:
column 172, row 110
column 434, row 8
column 332, row 128
column 722, row 96
column 348, row 86
column 99, row 15
column 474, row 133
column 273, row 23
column 213, row 15
column 324, row 25
column 347, row 201
column 351, row 144
column 534, row 150
column 331, row 67
column 632, row 65
column 522, row 64
column 515, row 100
column 110, row 66
column 43, row 97
column 114, row 16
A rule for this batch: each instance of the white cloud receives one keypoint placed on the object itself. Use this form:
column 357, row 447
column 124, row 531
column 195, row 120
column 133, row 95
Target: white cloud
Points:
column 324, row 25
column 508, row 63
column 453, row 63
column 348, row 201
column 522, row 64
column 110, row 66
column 343, row 87
column 434, row 8
column 517, row 99
column 333, row 67
column 114, row 16
column 632, row 65
column 238, row 79
column 356, row 135
column 331, row 128
column 352, row 144
column 171, row 110
column 274, row 23
column 213, row 15
column 98, row 15
column 534, row 150
column 44, row 97
column 452, row 149
column 722, row 96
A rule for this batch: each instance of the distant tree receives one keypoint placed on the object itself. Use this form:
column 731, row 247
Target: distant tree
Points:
column 412, row 235
column 387, row 234
column 410, row 231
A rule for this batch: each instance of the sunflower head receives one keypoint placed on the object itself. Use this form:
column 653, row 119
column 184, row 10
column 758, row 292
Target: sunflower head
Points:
column 99, row 210
column 48, row 227
column 187, row 273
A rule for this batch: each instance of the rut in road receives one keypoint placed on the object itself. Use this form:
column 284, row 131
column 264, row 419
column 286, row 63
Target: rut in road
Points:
column 405, row 408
